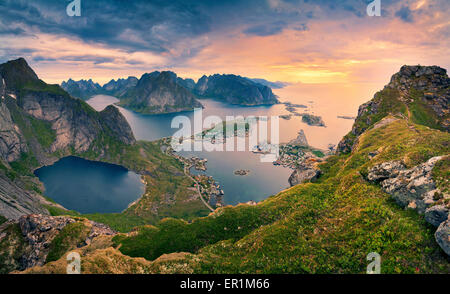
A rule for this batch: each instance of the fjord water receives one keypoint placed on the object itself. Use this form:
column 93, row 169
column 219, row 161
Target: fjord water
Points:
column 264, row 179
column 90, row 186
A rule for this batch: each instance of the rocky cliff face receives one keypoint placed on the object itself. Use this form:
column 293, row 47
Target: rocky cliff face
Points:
column 12, row 142
column 75, row 123
column 15, row 200
column 34, row 239
column 421, row 93
column 37, row 120
column 235, row 90
column 159, row 92
column 83, row 89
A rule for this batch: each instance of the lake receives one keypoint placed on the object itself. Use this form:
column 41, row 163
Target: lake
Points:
column 264, row 179
column 90, row 186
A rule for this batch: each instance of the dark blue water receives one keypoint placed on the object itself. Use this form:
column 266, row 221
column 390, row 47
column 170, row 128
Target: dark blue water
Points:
column 90, row 186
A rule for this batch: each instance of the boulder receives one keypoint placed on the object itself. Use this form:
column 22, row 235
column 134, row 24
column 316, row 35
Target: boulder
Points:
column 385, row 171
column 412, row 188
column 303, row 174
column 442, row 236
column 437, row 214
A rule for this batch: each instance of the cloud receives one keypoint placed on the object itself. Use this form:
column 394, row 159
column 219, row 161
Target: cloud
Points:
column 405, row 14
column 274, row 39
column 266, row 29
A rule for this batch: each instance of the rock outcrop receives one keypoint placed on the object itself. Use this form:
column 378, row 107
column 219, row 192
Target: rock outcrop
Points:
column 35, row 236
column 437, row 214
column 442, row 236
column 12, row 142
column 117, row 123
column 306, row 170
column 422, row 93
column 235, row 90
column 303, row 174
column 16, row 201
column 415, row 188
column 300, row 140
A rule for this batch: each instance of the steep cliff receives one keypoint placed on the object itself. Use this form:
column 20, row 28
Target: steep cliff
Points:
column 39, row 123
column 235, row 90
column 421, row 93
column 159, row 92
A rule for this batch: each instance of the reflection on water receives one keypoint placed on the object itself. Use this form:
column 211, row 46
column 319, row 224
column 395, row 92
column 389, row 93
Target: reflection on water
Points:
column 90, row 186
column 264, row 179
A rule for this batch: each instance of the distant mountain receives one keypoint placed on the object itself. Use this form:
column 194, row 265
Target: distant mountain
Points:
column 160, row 92
column 187, row 83
column 235, row 90
column 83, row 89
column 273, row 85
column 119, row 87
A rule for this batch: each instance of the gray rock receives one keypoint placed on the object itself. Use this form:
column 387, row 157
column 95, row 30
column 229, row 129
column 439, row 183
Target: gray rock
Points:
column 303, row 174
column 442, row 236
column 12, row 143
column 38, row 232
column 16, row 201
column 385, row 170
column 300, row 140
column 437, row 214
column 413, row 187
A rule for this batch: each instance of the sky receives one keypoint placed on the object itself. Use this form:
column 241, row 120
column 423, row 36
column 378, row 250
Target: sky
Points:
column 295, row 41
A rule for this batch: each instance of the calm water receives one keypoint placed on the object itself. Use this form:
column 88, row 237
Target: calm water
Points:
column 90, row 186
column 264, row 179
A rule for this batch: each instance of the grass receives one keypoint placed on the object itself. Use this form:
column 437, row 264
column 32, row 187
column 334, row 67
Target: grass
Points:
column 11, row 248
column 43, row 131
column 25, row 164
column 163, row 175
column 441, row 174
column 70, row 237
column 120, row 222
column 325, row 227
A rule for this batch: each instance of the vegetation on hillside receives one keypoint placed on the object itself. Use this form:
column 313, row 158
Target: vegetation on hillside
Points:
column 325, row 227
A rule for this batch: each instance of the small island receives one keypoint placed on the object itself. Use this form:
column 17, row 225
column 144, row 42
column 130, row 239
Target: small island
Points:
column 346, row 117
column 242, row 172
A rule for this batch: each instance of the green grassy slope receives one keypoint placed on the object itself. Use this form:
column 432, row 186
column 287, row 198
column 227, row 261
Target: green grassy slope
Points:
column 324, row 227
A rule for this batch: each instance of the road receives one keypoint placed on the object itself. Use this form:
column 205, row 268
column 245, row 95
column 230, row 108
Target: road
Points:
column 186, row 172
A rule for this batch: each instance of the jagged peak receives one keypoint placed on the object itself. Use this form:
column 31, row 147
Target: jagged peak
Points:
column 419, row 70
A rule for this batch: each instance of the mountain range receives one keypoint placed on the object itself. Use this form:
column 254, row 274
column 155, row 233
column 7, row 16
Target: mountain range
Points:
column 164, row 92
column 386, row 190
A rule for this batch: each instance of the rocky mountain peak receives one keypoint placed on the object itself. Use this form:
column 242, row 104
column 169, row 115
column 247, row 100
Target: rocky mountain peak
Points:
column 430, row 78
column 418, row 93
column 16, row 73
